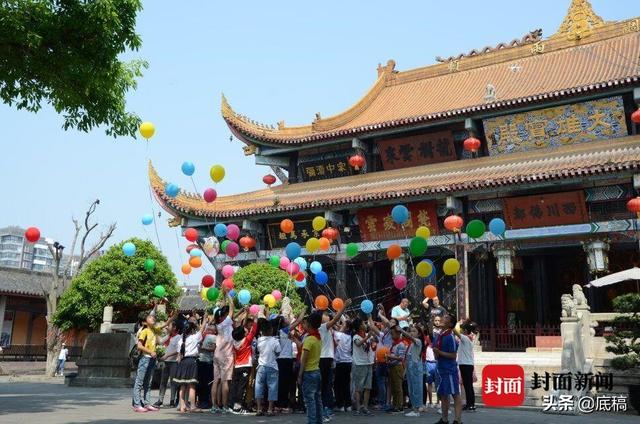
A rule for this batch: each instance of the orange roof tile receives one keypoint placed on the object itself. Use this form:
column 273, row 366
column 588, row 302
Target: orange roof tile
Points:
column 570, row 63
column 432, row 180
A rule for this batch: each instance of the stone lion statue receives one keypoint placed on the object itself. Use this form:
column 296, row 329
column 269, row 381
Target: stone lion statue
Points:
column 568, row 306
column 578, row 295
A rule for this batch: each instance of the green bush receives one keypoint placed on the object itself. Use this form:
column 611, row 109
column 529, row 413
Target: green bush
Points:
column 261, row 279
column 626, row 338
column 117, row 280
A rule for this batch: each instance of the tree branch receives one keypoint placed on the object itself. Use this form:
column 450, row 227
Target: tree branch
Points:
column 88, row 229
column 99, row 244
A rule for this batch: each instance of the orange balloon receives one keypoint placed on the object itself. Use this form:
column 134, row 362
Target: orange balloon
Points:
column 394, row 252
column 430, row 291
column 186, row 269
column 381, row 353
column 286, row 225
column 195, row 261
column 337, row 304
column 322, row 302
column 324, row 243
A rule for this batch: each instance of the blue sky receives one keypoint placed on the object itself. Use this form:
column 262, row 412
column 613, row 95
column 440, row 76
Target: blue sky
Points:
column 277, row 60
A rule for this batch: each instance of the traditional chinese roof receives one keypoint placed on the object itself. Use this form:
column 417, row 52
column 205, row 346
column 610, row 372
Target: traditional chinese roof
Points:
column 427, row 181
column 585, row 55
column 22, row 282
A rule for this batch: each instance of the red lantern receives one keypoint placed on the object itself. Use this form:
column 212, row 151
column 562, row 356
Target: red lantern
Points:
column 247, row 242
column 268, row 179
column 32, row 234
column 453, row 223
column 633, row 205
column 330, row 233
column 635, row 117
column 208, row 280
column 357, row 162
column 472, row 144
column 191, row 234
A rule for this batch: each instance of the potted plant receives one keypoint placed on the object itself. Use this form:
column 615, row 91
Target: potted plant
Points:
column 625, row 341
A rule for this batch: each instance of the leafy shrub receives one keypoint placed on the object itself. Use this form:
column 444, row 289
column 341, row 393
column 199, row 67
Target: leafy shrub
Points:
column 626, row 338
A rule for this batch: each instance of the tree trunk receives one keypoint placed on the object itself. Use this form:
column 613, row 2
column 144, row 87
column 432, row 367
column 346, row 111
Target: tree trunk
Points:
column 54, row 344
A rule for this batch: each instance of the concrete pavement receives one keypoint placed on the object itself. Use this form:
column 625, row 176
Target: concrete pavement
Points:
column 51, row 402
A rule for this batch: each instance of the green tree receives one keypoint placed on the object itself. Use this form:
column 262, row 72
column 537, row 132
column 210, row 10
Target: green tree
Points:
column 116, row 280
column 261, row 279
column 625, row 341
column 66, row 53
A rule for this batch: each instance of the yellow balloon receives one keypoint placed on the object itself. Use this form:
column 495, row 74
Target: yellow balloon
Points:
column 423, row 269
column 423, row 232
column 319, row 223
column 203, row 293
column 147, row 129
column 217, row 173
column 269, row 300
column 451, row 266
column 313, row 244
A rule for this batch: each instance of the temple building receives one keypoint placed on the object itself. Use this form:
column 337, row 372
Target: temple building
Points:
column 557, row 160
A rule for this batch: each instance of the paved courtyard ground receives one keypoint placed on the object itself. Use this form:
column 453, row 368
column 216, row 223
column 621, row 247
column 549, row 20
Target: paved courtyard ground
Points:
column 51, row 402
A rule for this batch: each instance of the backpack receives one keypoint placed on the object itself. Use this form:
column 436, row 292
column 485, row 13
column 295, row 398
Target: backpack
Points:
column 135, row 353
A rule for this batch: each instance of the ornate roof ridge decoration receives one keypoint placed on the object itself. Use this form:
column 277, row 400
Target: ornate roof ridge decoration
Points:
column 424, row 94
column 580, row 21
column 433, row 181
column 530, row 38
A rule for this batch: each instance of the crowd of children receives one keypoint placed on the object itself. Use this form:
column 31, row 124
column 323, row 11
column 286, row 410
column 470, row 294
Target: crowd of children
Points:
column 235, row 362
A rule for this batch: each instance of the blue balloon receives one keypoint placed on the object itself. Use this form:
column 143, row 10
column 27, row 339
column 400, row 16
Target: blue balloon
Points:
column 195, row 252
column 400, row 214
column 301, row 263
column 273, row 316
column 171, row 190
column 366, row 306
column 188, row 168
column 322, row 278
column 244, row 297
column 232, row 293
column 129, row 249
column 293, row 250
column 497, row 226
column 315, row 267
column 301, row 284
column 147, row 219
column 220, row 230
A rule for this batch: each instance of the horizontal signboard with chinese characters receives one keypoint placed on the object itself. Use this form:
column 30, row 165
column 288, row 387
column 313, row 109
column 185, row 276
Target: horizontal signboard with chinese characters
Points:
column 325, row 165
column 377, row 223
column 302, row 232
column 417, row 150
column 556, row 126
column 545, row 210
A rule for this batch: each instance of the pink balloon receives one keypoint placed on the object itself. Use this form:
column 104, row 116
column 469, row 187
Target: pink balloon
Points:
column 293, row 268
column 277, row 294
column 233, row 232
column 232, row 249
column 227, row 271
column 400, row 281
column 254, row 309
column 209, row 195
column 284, row 263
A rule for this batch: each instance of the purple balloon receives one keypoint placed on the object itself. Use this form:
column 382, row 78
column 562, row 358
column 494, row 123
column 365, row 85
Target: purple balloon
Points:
column 232, row 249
column 233, row 232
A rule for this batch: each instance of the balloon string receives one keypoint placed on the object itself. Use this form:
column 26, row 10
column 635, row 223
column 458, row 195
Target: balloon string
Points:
column 413, row 279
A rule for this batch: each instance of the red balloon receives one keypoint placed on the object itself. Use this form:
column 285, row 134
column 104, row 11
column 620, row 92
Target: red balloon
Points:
column 300, row 276
column 32, row 234
column 228, row 284
column 209, row 195
column 208, row 280
column 191, row 234
column 268, row 179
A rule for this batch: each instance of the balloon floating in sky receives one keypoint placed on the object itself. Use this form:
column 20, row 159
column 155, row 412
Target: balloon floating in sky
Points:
column 274, row 261
column 232, row 249
column 301, row 263
column 322, row 278
column 321, row 302
column 286, row 225
column 400, row 214
column 394, row 251
column 366, row 306
column 208, row 280
column 217, row 173
column 400, row 281
column 195, row 252
column 312, row 245
column 233, row 232
column 418, row 246
column 423, row 232
column 212, row 294
column 171, row 190
column 475, row 228
column 269, row 300
column 352, row 250
column 147, row 130
column 227, row 271
column 210, row 195
column 451, row 266
column 277, row 295
column 147, row 219
column 244, row 297
column 188, row 168
column 301, row 284
column 318, row 223
column 149, row 264
column 32, row 234
column 159, row 291
column 315, row 267
column 220, row 230
column 424, row 268
column 191, row 234
column 129, row 249
column 293, row 250
column 497, row 226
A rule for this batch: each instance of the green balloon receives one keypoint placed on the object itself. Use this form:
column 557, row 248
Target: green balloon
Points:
column 223, row 245
column 352, row 250
column 475, row 228
column 159, row 291
column 149, row 265
column 418, row 246
column 212, row 294
column 274, row 261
